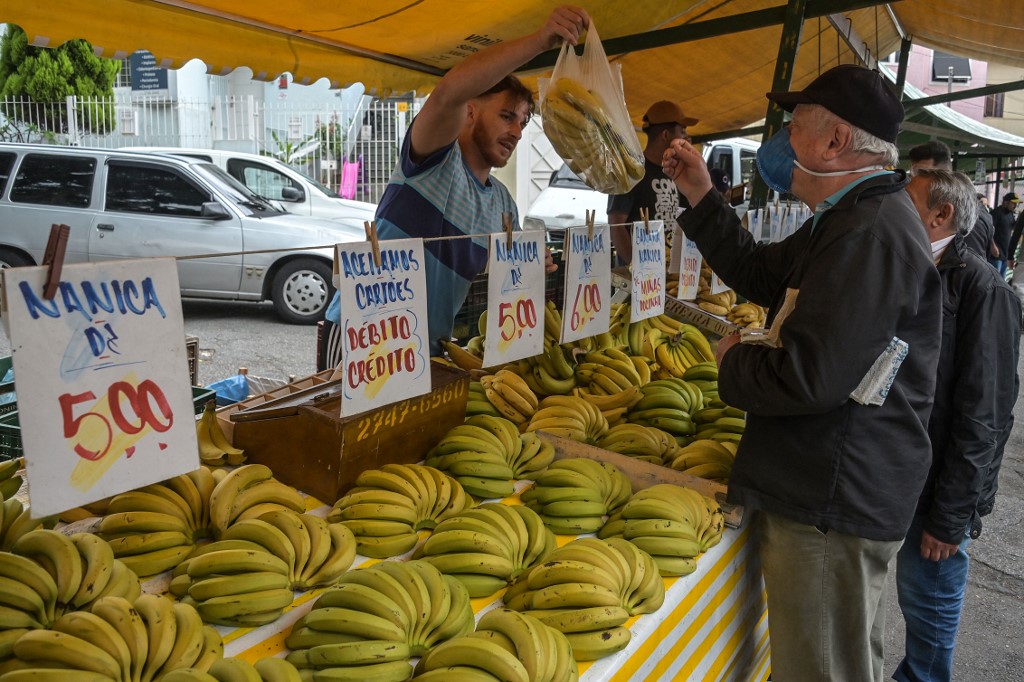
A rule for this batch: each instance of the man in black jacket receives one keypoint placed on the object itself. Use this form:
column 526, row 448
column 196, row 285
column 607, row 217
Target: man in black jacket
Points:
column 838, row 395
column 969, row 425
column 1002, row 221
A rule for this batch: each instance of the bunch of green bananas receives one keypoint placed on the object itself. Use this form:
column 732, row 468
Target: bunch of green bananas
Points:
column 646, row 443
column 154, row 528
column 389, row 505
column 486, row 454
column 575, row 494
column 214, row 447
column 613, row 406
column 238, row 670
column 487, row 546
column 477, row 402
column 507, row 645
column 587, row 589
column 706, row 458
column 408, row 603
column 704, row 376
column 10, row 479
column 15, row 521
column 671, row 523
column 117, row 640
column 510, row 395
column 667, row 405
column 569, row 417
column 725, row 424
column 575, row 121
column 234, row 582
column 47, row 574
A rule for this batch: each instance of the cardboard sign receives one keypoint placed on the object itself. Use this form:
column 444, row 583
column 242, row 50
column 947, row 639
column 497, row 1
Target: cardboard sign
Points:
column 104, row 402
column 515, row 298
column 588, row 285
column 689, row 272
column 385, row 354
column 648, row 270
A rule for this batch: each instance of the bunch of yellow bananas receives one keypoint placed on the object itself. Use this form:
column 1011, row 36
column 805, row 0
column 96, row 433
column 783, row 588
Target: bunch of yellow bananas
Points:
column 486, row 547
column 706, row 458
column 214, row 447
column 587, row 589
column 579, row 129
column 748, row 315
column 10, row 479
column 569, row 417
column 575, row 494
column 529, row 651
column 671, row 523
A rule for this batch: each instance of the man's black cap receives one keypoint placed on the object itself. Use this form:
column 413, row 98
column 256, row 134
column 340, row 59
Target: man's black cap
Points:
column 857, row 95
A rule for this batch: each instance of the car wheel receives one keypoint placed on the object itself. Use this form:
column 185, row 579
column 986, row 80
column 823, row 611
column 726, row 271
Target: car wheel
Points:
column 10, row 259
column 301, row 291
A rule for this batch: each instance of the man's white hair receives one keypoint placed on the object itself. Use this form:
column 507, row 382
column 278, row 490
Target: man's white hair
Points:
column 862, row 141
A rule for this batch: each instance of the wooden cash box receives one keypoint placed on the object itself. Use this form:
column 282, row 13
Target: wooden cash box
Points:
column 309, row 445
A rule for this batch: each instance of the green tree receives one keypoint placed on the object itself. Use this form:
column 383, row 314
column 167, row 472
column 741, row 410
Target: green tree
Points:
column 35, row 82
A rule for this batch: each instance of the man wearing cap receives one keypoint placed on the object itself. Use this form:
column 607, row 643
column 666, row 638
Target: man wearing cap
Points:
column 1002, row 225
column 663, row 123
column 836, row 449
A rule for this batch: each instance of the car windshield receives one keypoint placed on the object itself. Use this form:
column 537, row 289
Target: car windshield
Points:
column 236, row 191
column 564, row 177
column 323, row 188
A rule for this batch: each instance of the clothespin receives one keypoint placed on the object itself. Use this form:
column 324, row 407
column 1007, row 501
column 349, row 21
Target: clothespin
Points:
column 506, row 222
column 371, row 236
column 645, row 215
column 54, row 257
column 591, row 216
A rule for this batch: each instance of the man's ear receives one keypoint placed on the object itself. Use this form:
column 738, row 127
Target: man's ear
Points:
column 945, row 213
column 840, row 141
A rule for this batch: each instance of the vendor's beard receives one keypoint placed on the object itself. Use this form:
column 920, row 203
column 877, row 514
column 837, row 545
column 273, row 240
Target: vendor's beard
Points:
column 488, row 147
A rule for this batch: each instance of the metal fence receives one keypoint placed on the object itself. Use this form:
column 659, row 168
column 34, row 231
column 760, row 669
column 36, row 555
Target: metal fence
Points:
column 350, row 149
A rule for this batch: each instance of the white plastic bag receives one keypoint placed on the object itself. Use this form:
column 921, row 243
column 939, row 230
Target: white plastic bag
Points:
column 583, row 110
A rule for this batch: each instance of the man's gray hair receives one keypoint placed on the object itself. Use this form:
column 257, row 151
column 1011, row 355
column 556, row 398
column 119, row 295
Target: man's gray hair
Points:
column 862, row 141
column 952, row 187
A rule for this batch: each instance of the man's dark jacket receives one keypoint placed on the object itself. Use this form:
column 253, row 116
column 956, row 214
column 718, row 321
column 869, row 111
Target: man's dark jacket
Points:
column 974, row 396
column 980, row 237
column 865, row 275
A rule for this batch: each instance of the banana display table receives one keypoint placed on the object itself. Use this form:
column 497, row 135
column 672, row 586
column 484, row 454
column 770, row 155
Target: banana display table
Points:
column 712, row 626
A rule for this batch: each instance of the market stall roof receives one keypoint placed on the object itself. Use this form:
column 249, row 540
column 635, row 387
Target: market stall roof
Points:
column 719, row 74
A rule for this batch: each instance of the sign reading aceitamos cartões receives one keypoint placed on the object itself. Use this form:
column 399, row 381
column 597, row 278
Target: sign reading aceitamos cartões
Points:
column 104, row 401
column 385, row 355
column 648, row 270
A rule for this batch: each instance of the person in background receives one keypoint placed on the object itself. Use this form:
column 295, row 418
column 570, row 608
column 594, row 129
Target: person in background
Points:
column 663, row 123
column 442, row 185
column 836, row 446
column 1018, row 227
column 979, row 239
column 930, row 154
column 1002, row 226
column 975, row 392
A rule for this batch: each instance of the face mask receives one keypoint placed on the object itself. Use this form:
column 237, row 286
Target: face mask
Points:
column 776, row 161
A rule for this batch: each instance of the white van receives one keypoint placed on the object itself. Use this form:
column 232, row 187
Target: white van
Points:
column 272, row 179
column 566, row 199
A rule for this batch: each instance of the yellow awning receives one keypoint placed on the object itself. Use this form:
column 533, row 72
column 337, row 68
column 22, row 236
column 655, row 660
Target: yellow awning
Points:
column 394, row 46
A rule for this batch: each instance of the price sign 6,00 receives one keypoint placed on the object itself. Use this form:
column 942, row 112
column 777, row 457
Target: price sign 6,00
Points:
column 586, row 306
column 126, row 409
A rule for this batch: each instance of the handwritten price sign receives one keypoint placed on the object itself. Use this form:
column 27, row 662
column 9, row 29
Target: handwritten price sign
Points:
column 515, row 298
column 115, row 412
column 648, row 270
column 689, row 270
column 385, row 357
column 587, row 283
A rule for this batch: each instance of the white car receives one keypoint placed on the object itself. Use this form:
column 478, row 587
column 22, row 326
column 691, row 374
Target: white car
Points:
column 272, row 179
column 564, row 203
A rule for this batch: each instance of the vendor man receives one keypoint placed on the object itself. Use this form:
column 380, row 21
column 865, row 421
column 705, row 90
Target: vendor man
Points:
column 442, row 185
column 836, row 449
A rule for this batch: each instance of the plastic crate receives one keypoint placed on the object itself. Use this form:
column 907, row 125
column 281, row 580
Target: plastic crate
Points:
column 10, row 430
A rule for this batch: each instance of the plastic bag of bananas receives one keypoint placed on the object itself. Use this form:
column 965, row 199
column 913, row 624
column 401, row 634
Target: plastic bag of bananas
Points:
column 583, row 111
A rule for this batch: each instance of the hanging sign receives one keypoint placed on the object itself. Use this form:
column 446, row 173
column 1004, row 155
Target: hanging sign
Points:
column 385, row 354
column 648, row 270
column 588, row 283
column 104, row 401
column 689, row 271
column 515, row 297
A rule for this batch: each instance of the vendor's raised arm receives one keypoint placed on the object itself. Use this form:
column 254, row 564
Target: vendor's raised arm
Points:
column 443, row 115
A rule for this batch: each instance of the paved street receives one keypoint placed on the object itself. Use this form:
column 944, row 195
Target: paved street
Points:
column 235, row 335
